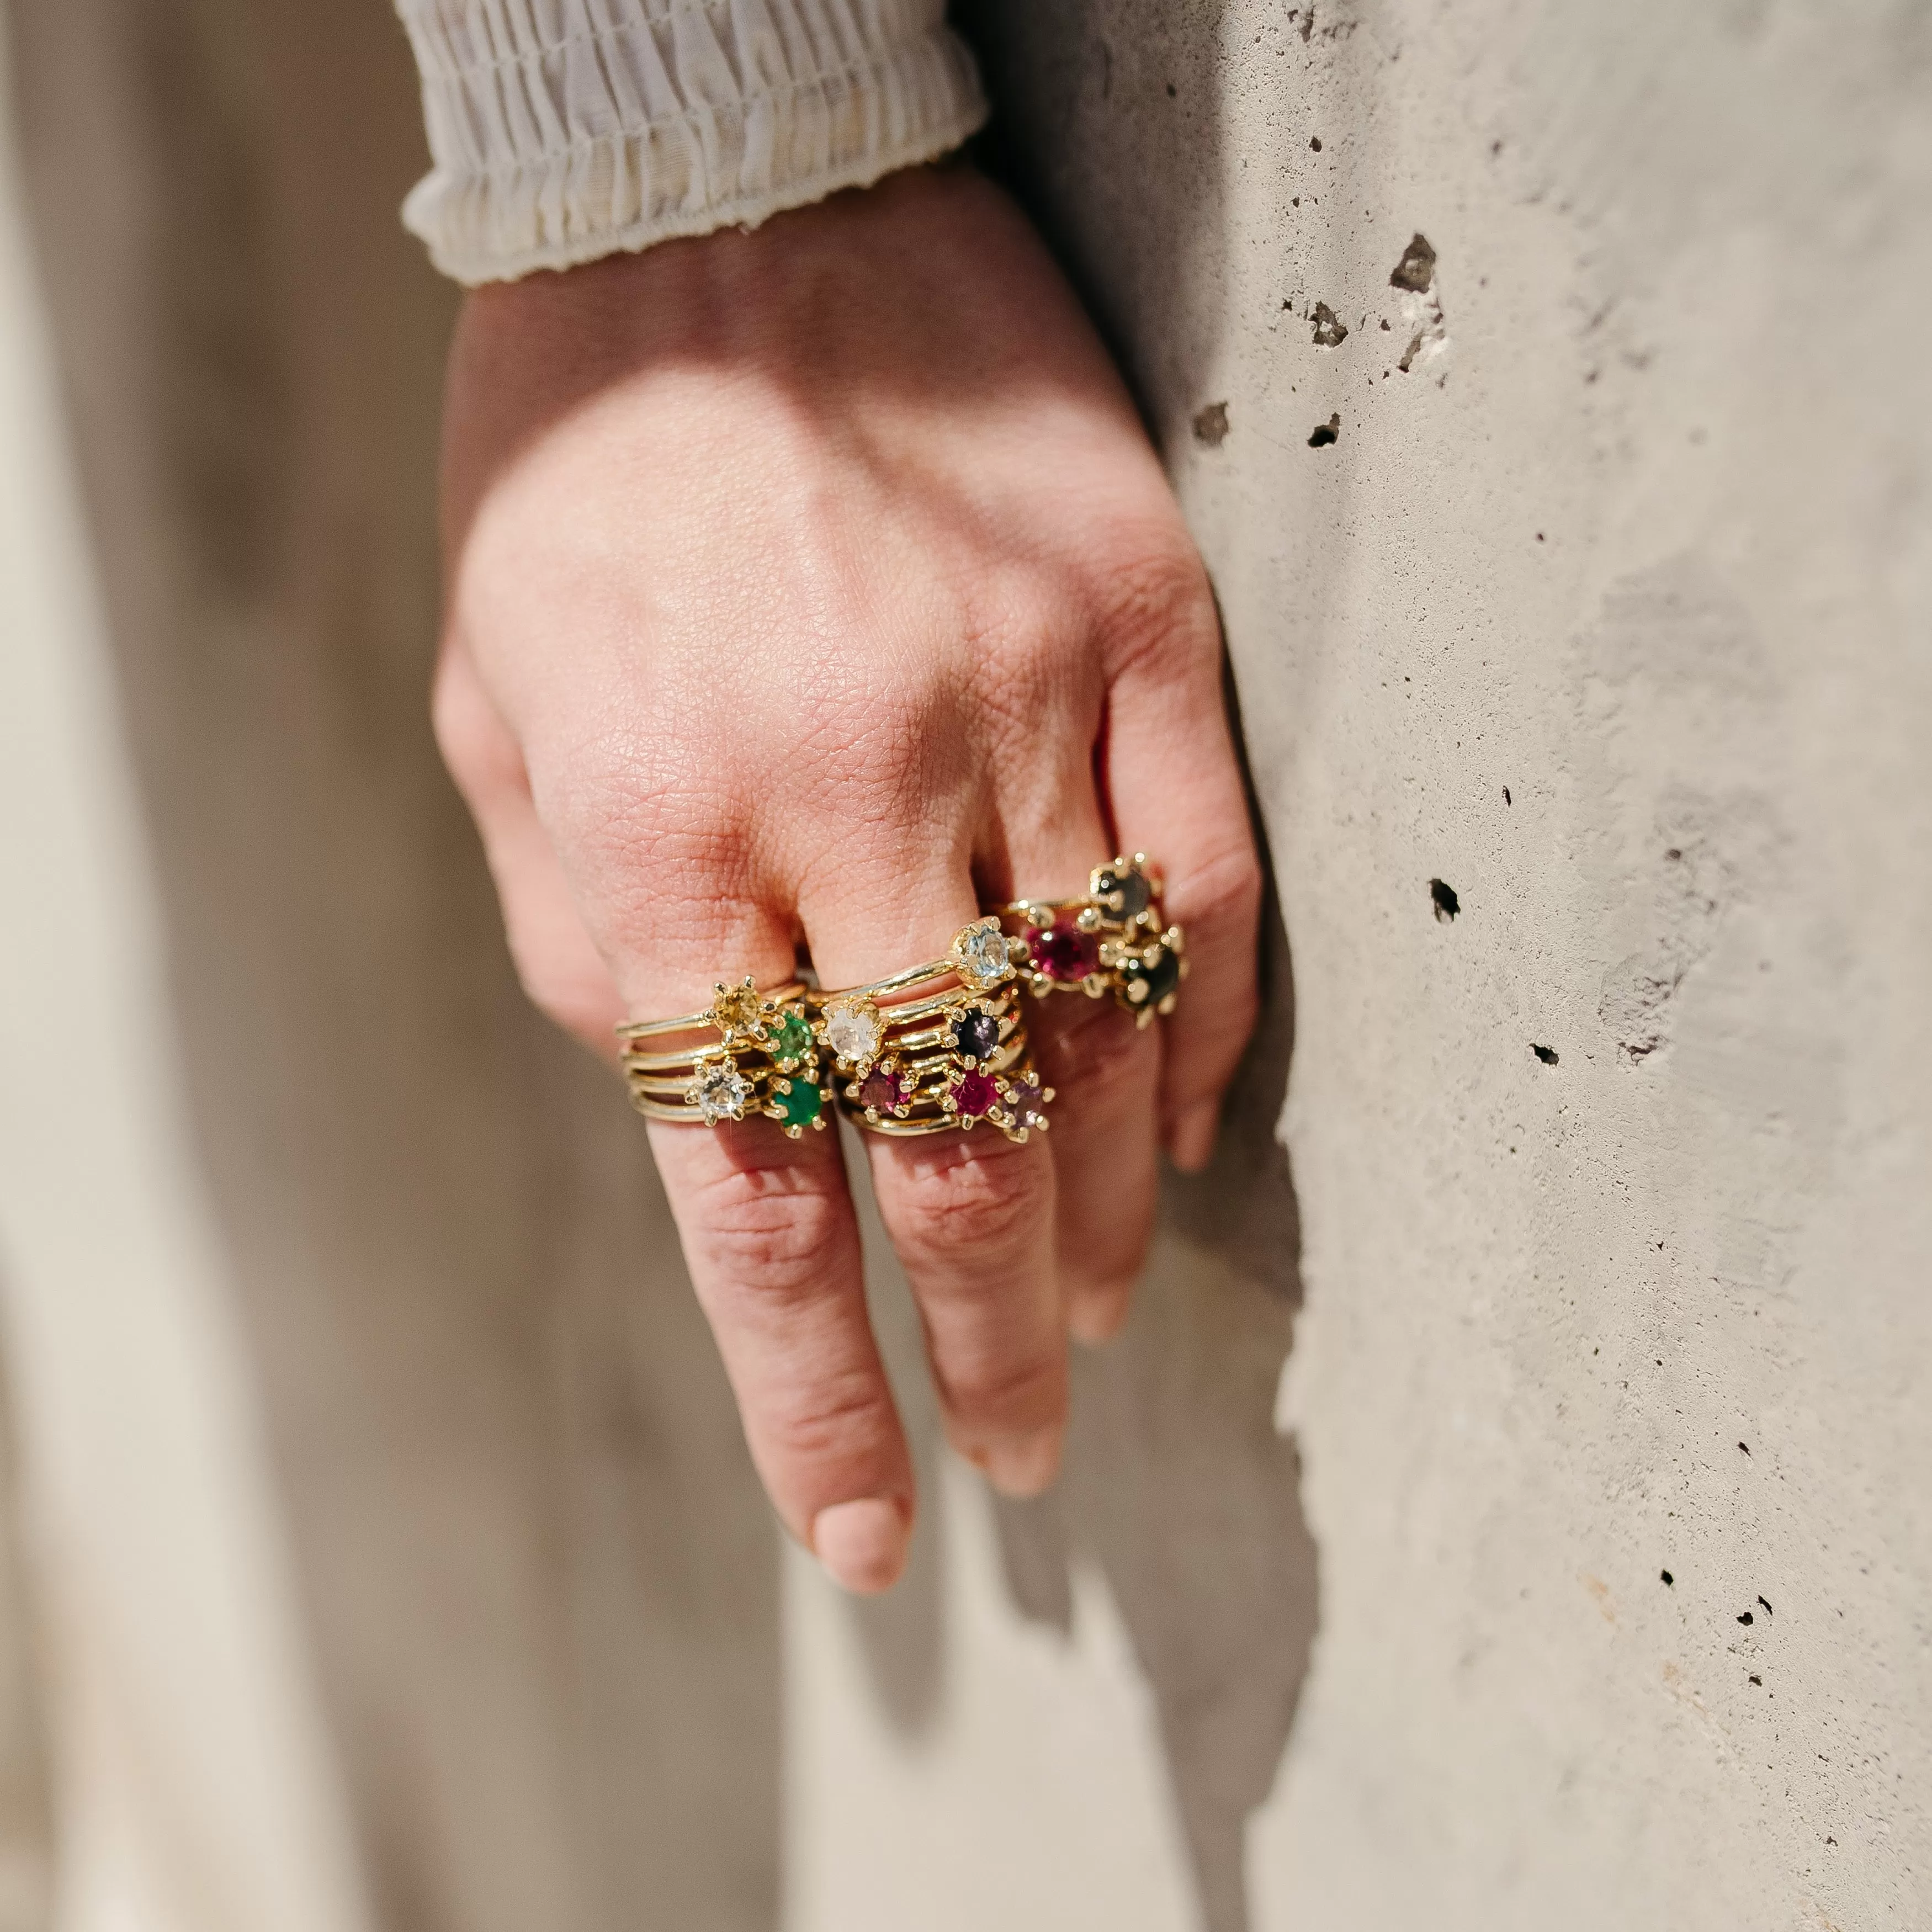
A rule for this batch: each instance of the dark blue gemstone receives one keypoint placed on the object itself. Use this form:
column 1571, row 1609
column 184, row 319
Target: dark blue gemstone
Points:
column 976, row 1035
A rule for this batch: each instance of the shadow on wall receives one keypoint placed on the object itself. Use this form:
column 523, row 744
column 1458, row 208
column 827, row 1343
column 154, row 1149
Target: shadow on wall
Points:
column 1177, row 1484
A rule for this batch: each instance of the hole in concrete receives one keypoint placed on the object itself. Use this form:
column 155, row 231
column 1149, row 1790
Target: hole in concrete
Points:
column 1666, row 1576
column 1417, row 269
column 1547, row 1055
column 1210, row 426
column 1444, row 898
column 1331, row 331
column 1745, row 1617
column 1322, row 434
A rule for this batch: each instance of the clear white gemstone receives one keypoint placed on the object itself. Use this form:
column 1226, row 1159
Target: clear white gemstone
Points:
column 854, row 1033
column 983, row 950
column 722, row 1092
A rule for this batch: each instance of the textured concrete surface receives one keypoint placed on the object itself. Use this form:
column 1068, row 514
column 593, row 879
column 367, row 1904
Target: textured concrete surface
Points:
column 1508, row 1505
column 1613, row 612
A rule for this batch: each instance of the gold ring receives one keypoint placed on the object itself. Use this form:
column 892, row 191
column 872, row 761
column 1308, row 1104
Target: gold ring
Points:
column 747, row 1054
column 1111, row 939
column 940, row 1046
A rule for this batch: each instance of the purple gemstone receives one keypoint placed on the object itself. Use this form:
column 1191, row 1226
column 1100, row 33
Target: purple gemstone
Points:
column 1029, row 1101
column 1063, row 952
column 882, row 1089
column 976, row 1035
column 974, row 1094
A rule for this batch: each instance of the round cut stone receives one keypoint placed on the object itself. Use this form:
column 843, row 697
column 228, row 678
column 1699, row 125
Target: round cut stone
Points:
column 736, row 1009
column 722, row 1093
column 883, row 1089
column 974, row 1096
column 1149, row 981
column 1133, row 888
column 976, row 1035
column 1062, row 951
column 983, row 951
column 1029, row 1100
column 789, row 1036
column 801, row 1103
column 854, row 1033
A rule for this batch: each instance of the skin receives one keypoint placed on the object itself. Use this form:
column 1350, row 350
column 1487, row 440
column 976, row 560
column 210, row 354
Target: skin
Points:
column 810, row 588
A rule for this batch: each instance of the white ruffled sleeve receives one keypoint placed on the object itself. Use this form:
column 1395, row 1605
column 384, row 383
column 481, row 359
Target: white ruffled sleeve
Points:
column 563, row 130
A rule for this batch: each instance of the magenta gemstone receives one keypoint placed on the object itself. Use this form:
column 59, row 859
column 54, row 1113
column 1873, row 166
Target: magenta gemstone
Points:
column 974, row 1094
column 1063, row 952
column 882, row 1089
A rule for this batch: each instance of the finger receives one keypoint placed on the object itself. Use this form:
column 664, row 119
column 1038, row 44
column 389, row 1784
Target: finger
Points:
column 1104, row 1070
column 772, row 1246
column 557, row 961
column 1175, row 791
column 970, row 1212
column 767, row 1223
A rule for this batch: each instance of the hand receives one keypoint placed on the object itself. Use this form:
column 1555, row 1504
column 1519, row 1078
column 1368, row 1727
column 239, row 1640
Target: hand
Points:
column 820, row 584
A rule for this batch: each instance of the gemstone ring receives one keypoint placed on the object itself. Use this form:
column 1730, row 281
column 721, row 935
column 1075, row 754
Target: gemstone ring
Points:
column 940, row 1046
column 1110, row 940
column 748, row 1053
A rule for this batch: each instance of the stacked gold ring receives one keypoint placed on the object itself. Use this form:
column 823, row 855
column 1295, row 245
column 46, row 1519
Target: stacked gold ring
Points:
column 747, row 1054
column 1112, row 939
column 940, row 1046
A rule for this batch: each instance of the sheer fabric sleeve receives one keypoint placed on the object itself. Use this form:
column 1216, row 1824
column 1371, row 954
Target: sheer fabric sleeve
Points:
column 563, row 130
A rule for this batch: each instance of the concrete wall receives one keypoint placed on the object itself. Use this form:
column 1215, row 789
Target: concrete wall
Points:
column 1606, row 620
column 1612, row 610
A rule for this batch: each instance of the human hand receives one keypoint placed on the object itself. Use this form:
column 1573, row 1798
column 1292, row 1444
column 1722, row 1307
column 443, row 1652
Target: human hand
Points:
column 819, row 584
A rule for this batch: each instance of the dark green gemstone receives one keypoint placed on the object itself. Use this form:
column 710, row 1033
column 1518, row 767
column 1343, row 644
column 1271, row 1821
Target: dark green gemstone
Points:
column 802, row 1103
column 788, row 1037
column 1149, row 981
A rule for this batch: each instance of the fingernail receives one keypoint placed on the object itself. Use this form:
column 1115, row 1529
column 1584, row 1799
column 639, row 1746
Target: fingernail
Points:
column 1191, row 1146
column 1022, row 1467
column 861, row 1544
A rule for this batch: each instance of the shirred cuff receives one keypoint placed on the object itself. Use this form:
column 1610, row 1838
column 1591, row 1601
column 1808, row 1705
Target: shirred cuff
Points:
column 564, row 130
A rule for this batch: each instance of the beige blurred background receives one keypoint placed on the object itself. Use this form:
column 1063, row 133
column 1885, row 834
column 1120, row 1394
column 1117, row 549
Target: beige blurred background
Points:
column 379, row 1549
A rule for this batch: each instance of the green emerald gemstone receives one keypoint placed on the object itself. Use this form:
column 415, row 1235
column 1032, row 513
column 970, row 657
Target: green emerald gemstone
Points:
column 801, row 1104
column 789, row 1037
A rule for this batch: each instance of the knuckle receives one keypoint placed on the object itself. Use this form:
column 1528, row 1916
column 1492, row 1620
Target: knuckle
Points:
column 769, row 1232
column 1006, row 1392
column 1156, row 603
column 968, row 1199
column 1108, row 1060
column 1222, row 891
column 831, row 1417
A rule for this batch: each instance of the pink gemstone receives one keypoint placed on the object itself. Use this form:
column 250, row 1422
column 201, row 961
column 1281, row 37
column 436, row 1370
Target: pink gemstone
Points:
column 882, row 1089
column 1063, row 952
column 974, row 1094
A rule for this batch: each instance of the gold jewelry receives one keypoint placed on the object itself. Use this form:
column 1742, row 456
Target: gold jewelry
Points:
column 1109, row 939
column 761, row 1058
column 940, row 1046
